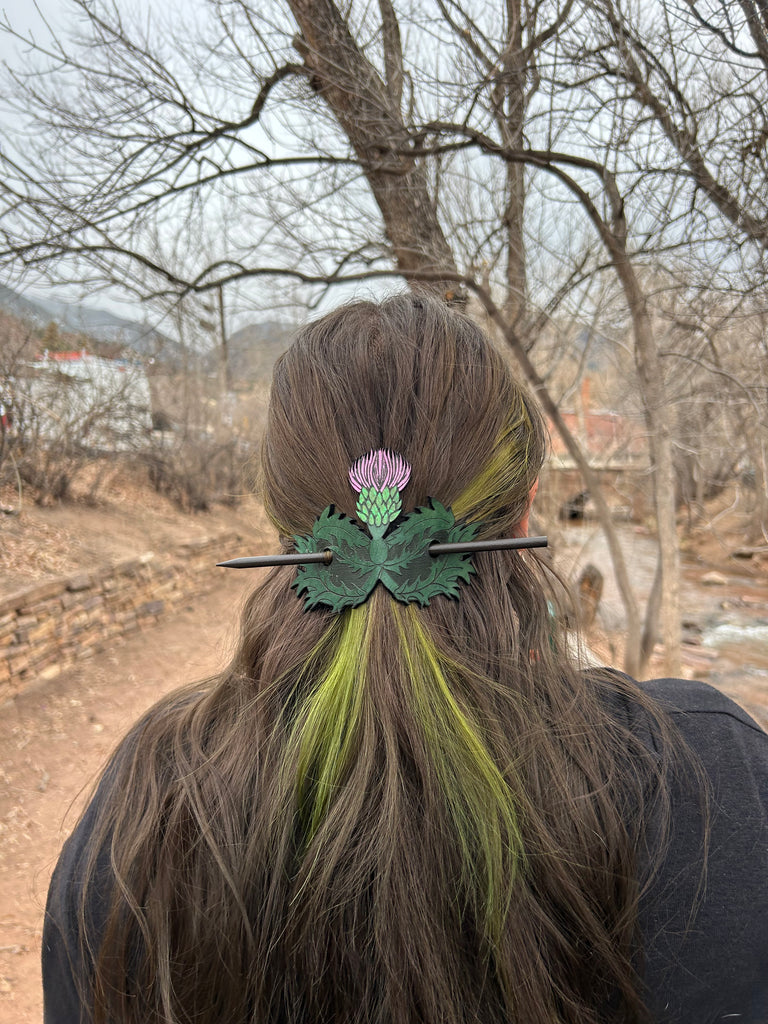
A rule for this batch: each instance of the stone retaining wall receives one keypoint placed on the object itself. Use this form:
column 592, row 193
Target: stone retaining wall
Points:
column 50, row 625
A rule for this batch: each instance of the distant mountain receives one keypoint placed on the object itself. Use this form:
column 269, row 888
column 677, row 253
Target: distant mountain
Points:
column 253, row 349
column 95, row 323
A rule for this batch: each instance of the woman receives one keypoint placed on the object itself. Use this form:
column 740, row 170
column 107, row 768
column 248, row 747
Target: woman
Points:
column 402, row 802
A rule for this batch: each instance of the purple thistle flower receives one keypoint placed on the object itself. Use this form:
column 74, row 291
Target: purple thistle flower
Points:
column 379, row 469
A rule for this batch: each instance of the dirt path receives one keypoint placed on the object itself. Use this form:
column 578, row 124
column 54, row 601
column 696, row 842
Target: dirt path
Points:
column 52, row 744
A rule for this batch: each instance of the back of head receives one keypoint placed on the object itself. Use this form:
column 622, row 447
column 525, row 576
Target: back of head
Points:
column 411, row 376
column 389, row 813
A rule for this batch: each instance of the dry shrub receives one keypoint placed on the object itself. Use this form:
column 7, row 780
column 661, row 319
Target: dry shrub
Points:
column 196, row 472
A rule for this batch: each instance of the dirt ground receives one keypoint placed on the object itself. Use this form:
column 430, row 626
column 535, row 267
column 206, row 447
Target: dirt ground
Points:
column 53, row 743
column 54, row 739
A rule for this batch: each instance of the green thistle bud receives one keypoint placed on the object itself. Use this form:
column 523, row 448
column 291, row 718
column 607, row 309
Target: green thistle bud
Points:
column 378, row 508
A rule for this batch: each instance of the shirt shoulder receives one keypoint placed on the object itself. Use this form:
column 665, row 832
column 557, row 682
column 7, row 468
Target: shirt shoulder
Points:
column 705, row 917
column 683, row 697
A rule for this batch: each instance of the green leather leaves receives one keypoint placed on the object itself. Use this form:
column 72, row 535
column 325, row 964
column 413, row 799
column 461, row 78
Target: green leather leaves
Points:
column 350, row 577
column 400, row 560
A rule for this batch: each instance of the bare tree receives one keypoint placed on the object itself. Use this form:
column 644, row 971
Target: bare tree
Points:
column 717, row 343
column 321, row 144
column 700, row 71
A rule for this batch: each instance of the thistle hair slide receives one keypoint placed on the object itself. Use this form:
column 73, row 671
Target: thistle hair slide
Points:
column 425, row 554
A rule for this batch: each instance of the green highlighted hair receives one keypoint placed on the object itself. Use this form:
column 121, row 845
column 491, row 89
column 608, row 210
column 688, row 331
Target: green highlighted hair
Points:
column 477, row 796
column 510, row 469
column 327, row 728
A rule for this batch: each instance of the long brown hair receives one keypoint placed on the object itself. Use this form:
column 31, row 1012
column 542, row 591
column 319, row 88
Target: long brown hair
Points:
column 392, row 814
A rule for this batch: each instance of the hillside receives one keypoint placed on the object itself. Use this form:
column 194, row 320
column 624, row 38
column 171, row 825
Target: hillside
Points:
column 128, row 519
column 252, row 348
column 90, row 322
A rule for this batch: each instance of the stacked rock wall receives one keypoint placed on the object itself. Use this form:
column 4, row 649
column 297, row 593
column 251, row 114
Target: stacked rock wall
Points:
column 48, row 626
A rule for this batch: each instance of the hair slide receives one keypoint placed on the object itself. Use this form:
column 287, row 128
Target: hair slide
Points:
column 326, row 557
column 339, row 564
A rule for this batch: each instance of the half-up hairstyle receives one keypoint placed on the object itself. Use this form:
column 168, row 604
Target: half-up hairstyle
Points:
column 395, row 813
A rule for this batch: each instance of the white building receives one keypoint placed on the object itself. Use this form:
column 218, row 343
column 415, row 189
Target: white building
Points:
column 101, row 404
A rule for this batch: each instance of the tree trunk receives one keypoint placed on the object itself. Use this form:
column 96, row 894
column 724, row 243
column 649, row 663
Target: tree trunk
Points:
column 515, row 305
column 510, row 100
column 757, row 532
column 650, row 372
column 632, row 657
column 369, row 115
